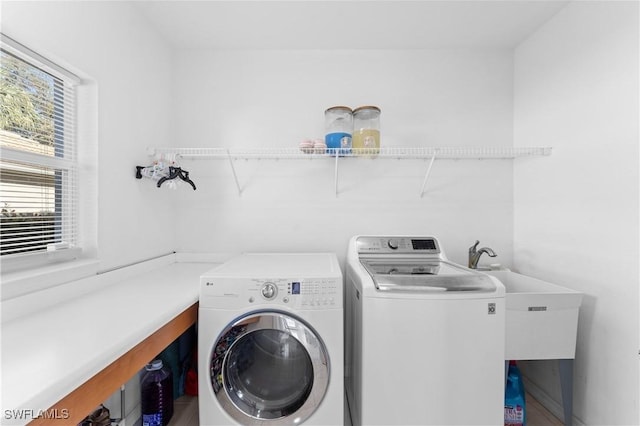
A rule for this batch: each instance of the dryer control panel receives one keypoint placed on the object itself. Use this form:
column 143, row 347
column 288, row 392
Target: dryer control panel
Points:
column 398, row 245
column 295, row 293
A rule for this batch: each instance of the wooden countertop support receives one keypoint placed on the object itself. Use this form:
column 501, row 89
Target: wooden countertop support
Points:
column 78, row 404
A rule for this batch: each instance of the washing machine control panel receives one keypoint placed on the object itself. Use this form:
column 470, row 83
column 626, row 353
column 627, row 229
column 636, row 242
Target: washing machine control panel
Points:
column 299, row 293
column 398, row 245
column 296, row 293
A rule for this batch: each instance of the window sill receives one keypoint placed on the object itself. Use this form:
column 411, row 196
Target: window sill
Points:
column 25, row 281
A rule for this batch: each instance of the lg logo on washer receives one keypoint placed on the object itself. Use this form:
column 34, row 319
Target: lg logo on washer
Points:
column 224, row 293
column 219, row 292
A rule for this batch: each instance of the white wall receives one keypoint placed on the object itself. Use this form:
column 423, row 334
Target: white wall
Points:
column 113, row 48
column 576, row 213
column 276, row 98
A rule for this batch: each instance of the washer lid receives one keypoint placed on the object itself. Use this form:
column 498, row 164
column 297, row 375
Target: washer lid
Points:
column 426, row 276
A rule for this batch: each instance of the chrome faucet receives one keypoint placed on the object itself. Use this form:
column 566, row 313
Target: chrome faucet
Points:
column 474, row 255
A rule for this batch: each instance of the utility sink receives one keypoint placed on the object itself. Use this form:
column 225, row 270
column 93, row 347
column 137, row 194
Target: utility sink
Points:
column 541, row 318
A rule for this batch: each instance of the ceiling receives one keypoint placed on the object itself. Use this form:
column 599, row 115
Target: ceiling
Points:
column 355, row 24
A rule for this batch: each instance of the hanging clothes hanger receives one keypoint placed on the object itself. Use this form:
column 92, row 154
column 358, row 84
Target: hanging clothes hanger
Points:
column 164, row 168
column 177, row 172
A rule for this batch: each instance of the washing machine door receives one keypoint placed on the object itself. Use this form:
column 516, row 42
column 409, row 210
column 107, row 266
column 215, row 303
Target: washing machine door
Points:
column 269, row 366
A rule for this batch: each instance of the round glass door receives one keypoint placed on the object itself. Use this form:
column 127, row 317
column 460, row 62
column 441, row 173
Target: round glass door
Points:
column 269, row 366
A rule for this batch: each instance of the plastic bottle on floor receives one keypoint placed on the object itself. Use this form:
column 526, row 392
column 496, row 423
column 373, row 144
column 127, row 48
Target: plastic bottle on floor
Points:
column 157, row 395
column 514, row 399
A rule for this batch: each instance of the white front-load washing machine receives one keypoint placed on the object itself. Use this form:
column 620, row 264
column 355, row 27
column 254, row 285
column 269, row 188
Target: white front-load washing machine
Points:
column 424, row 336
column 270, row 341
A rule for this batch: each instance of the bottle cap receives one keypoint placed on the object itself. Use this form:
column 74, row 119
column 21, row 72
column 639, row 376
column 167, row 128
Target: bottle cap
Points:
column 340, row 108
column 371, row 108
column 156, row 364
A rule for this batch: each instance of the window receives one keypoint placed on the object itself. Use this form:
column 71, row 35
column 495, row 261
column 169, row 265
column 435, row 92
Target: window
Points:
column 38, row 165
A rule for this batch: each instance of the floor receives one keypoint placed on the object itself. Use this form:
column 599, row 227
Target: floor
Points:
column 537, row 415
column 185, row 413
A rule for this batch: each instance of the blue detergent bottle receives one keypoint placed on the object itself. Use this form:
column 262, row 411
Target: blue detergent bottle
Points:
column 514, row 398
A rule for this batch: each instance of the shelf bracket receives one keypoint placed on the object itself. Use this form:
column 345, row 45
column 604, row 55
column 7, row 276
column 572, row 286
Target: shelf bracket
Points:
column 426, row 176
column 335, row 176
column 233, row 170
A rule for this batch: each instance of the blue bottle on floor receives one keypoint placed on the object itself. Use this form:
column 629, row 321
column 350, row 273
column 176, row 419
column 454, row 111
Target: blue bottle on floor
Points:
column 514, row 398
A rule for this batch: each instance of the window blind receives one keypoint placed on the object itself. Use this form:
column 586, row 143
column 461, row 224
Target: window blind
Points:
column 38, row 164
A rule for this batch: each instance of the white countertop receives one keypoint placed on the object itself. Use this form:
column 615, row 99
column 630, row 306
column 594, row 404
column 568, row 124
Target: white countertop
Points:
column 49, row 353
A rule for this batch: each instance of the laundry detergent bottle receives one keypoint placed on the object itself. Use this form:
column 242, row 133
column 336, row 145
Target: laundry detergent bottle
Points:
column 157, row 394
column 514, row 398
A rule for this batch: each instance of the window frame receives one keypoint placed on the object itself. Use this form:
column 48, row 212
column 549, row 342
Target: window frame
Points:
column 29, row 267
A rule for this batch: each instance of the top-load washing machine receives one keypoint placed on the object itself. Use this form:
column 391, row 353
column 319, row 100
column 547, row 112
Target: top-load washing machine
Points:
column 270, row 341
column 424, row 336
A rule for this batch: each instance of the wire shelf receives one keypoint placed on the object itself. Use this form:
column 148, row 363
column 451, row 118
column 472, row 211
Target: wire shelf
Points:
column 383, row 153
column 338, row 155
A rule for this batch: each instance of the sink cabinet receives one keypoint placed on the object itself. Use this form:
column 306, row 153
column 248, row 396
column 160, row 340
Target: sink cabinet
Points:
column 542, row 323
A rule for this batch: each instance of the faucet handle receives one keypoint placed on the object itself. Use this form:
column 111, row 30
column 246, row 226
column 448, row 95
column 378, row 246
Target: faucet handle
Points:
column 472, row 249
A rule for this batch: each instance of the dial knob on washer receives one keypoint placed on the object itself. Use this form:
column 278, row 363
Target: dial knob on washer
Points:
column 269, row 291
column 393, row 244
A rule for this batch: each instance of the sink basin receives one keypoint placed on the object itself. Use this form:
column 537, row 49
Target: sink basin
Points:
column 541, row 317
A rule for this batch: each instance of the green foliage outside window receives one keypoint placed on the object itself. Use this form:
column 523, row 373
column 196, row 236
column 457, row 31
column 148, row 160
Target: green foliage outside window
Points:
column 27, row 100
